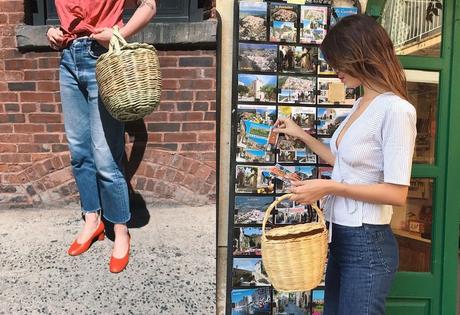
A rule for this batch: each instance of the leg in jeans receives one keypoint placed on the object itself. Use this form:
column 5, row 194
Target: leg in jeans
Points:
column 76, row 122
column 332, row 286
column 107, row 135
column 367, row 258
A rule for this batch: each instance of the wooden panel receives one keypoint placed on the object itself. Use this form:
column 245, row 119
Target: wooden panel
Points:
column 407, row 307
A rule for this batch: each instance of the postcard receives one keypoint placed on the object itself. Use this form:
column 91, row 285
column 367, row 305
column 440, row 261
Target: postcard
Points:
column 293, row 150
column 249, row 272
column 283, row 32
column 313, row 24
column 251, row 209
column 324, row 172
column 255, row 139
column 298, row 59
column 247, row 241
column 302, row 173
column 295, row 303
column 291, row 212
column 257, row 57
column 323, row 67
column 295, row 89
column 330, row 119
column 257, row 88
column 254, row 179
column 338, row 13
column 305, row 117
column 253, row 21
column 243, row 301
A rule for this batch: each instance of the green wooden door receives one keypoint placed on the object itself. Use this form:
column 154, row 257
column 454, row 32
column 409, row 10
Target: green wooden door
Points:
column 427, row 228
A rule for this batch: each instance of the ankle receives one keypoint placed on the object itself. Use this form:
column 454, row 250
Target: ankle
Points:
column 92, row 218
column 121, row 230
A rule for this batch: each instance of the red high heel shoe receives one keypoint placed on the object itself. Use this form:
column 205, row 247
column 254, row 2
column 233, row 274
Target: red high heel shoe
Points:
column 119, row 264
column 77, row 248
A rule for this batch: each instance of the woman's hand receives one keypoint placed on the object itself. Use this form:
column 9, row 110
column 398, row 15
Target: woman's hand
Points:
column 309, row 191
column 55, row 38
column 288, row 127
column 103, row 36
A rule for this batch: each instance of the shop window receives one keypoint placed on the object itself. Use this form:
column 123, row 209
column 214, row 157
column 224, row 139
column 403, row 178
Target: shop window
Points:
column 412, row 226
column 415, row 26
column 423, row 88
column 41, row 12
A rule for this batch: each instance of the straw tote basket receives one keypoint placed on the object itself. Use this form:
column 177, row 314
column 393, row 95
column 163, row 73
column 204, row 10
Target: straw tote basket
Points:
column 129, row 78
column 294, row 256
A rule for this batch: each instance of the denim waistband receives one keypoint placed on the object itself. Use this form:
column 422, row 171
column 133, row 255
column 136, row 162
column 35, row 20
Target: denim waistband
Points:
column 81, row 41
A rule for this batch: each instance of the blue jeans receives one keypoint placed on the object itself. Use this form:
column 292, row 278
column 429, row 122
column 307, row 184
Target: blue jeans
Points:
column 361, row 267
column 96, row 139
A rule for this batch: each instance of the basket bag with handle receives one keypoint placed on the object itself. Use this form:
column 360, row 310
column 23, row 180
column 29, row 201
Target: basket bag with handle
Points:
column 294, row 256
column 129, row 78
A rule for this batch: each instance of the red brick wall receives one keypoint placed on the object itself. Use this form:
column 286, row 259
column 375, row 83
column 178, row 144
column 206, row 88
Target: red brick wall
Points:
column 177, row 162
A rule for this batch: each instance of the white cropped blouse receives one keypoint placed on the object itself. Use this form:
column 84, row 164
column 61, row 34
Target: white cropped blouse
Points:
column 376, row 148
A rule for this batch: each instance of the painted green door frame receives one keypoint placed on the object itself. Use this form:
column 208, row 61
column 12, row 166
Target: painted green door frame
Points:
column 434, row 293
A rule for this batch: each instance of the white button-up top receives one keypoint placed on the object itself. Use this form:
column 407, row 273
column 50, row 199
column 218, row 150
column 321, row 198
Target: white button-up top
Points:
column 376, row 148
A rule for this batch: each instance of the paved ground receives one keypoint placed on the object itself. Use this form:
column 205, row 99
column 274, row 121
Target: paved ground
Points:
column 172, row 270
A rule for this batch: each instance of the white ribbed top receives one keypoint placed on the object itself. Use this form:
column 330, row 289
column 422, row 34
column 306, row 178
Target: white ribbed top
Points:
column 376, row 148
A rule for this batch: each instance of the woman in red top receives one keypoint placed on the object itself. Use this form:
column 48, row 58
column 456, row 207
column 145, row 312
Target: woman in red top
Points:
column 96, row 139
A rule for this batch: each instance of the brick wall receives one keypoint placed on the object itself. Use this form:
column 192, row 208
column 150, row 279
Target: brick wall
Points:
column 170, row 155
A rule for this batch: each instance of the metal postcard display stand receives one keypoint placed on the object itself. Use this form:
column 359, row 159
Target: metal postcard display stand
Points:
column 278, row 71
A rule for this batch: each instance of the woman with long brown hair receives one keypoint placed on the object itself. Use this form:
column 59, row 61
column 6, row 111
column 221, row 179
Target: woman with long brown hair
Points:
column 371, row 152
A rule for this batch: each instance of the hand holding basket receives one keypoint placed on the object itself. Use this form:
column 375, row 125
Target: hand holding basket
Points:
column 294, row 256
column 129, row 78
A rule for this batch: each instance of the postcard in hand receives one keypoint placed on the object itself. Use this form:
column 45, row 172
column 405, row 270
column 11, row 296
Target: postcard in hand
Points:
column 255, row 138
column 294, row 173
column 324, row 172
column 298, row 59
column 253, row 21
column 283, row 23
column 313, row 21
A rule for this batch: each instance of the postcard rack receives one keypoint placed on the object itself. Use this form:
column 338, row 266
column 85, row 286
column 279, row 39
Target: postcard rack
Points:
column 278, row 71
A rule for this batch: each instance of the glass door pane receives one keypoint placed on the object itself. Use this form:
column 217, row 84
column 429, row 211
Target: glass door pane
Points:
column 412, row 226
column 423, row 89
column 415, row 26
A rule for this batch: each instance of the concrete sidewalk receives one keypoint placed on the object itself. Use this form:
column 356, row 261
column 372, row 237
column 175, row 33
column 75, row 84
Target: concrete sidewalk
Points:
column 172, row 268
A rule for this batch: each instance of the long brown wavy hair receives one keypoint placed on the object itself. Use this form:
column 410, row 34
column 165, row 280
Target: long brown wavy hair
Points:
column 360, row 47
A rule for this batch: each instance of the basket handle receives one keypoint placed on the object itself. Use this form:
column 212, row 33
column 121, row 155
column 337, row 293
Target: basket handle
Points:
column 117, row 41
column 277, row 201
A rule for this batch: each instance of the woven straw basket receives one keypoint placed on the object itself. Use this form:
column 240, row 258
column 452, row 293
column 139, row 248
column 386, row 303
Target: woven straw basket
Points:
column 294, row 256
column 129, row 78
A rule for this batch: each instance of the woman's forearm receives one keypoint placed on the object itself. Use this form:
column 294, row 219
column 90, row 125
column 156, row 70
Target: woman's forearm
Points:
column 141, row 17
column 388, row 194
column 323, row 151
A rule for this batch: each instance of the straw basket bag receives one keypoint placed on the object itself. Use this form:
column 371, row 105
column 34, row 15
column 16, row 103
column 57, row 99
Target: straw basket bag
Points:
column 294, row 256
column 129, row 78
